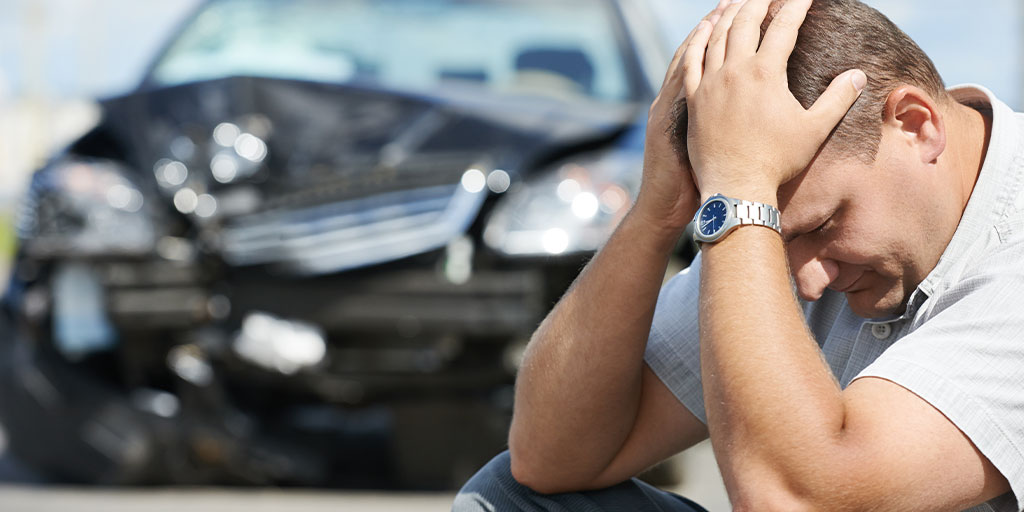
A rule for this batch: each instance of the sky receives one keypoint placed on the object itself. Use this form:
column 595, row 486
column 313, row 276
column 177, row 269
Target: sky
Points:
column 85, row 48
column 81, row 48
column 970, row 42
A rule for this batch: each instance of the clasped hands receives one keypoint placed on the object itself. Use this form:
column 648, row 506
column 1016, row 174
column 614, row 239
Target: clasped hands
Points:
column 747, row 134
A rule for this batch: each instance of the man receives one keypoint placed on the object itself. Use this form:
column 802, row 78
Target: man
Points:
column 898, row 384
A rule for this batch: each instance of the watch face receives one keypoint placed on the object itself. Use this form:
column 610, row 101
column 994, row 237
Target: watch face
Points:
column 712, row 218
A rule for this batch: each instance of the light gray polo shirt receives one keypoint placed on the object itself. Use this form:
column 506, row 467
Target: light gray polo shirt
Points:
column 959, row 344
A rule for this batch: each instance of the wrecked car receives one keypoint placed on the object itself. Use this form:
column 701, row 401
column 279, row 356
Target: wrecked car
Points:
column 310, row 247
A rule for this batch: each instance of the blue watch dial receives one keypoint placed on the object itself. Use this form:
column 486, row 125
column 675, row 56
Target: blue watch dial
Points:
column 712, row 218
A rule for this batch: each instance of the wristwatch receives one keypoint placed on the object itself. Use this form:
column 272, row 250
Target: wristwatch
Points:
column 719, row 215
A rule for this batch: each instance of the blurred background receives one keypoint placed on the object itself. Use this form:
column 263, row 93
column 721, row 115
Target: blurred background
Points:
column 302, row 244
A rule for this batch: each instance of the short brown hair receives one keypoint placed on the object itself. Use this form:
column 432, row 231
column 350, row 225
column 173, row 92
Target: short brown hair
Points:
column 839, row 35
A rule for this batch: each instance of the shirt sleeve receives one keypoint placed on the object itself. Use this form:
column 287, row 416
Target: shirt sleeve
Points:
column 673, row 347
column 967, row 361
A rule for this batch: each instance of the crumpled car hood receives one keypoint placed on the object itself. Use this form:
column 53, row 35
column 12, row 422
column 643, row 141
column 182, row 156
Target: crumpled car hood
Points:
column 319, row 178
column 320, row 133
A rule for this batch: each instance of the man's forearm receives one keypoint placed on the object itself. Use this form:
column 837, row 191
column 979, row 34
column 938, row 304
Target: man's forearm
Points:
column 583, row 366
column 773, row 406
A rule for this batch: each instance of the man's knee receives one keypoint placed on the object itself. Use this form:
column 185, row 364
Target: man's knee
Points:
column 493, row 488
column 490, row 488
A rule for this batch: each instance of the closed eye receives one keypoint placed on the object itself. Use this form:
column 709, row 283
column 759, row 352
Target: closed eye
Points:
column 821, row 228
column 817, row 231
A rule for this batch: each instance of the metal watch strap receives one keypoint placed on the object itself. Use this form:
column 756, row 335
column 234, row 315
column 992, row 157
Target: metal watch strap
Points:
column 758, row 214
column 731, row 214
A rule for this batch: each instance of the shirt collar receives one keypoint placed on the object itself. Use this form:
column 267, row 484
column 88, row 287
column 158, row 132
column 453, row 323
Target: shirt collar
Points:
column 988, row 202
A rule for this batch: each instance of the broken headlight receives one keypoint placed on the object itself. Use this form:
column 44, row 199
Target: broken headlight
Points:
column 82, row 208
column 571, row 208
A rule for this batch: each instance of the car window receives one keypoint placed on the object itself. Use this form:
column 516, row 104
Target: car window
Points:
column 566, row 47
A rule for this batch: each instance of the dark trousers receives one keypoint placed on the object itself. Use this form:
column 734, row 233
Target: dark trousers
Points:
column 492, row 489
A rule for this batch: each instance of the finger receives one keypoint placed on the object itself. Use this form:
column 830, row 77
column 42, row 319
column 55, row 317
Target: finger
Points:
column 719, row 37
column 746, row 28
column 672, row 87
column 673, row 70
column 712, row 17
column 719, row 9
column 780, row 38
column 693, row 59
column 676, row 58
column 836, row 101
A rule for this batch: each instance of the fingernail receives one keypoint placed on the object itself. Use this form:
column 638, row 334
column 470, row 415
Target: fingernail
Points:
column 859, row 79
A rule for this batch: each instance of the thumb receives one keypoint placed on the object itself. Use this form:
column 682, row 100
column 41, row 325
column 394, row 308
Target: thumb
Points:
column 836, row 101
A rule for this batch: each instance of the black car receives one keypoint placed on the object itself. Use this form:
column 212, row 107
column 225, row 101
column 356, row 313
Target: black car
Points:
column 310, row 247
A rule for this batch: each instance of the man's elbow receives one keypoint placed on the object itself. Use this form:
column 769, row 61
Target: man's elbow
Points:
column 542, row 477
column 528, row 475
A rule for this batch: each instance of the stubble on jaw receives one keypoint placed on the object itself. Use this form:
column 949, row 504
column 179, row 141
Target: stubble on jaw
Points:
column 891, row 302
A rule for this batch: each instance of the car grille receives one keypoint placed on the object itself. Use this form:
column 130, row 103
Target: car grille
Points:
column 354, row 233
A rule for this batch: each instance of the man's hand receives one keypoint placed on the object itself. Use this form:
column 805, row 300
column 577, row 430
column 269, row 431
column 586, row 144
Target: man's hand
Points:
column 747, row 132
column 783, row 430
column 668, row 197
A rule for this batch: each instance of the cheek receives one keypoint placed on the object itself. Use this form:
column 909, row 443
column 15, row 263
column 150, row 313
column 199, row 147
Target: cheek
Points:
column 874, row 223
column 859, row 243
column 869, row 249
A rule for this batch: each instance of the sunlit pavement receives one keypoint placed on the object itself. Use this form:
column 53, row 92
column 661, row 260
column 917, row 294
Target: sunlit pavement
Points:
column 702, row 484
column 28, row 499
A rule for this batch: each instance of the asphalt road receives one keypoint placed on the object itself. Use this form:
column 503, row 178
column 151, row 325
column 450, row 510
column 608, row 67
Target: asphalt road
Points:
column 27, row 499
column 701, row 483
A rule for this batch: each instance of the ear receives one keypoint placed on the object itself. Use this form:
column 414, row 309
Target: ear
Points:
column 916, row 118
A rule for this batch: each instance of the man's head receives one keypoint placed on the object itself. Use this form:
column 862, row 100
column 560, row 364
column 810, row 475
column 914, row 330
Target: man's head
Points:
column 839, row 35
column 872, row 214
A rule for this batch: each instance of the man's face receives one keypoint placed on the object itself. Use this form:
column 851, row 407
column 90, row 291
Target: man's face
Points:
column 866, row 230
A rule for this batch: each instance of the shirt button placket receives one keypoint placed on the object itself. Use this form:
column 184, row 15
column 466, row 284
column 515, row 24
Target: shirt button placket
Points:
column 881, row 331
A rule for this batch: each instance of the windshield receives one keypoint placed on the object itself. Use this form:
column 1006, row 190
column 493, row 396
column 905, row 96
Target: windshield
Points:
column 568, row 48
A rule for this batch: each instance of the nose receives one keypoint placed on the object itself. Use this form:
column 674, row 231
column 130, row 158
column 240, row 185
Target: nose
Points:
column 813, row 274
